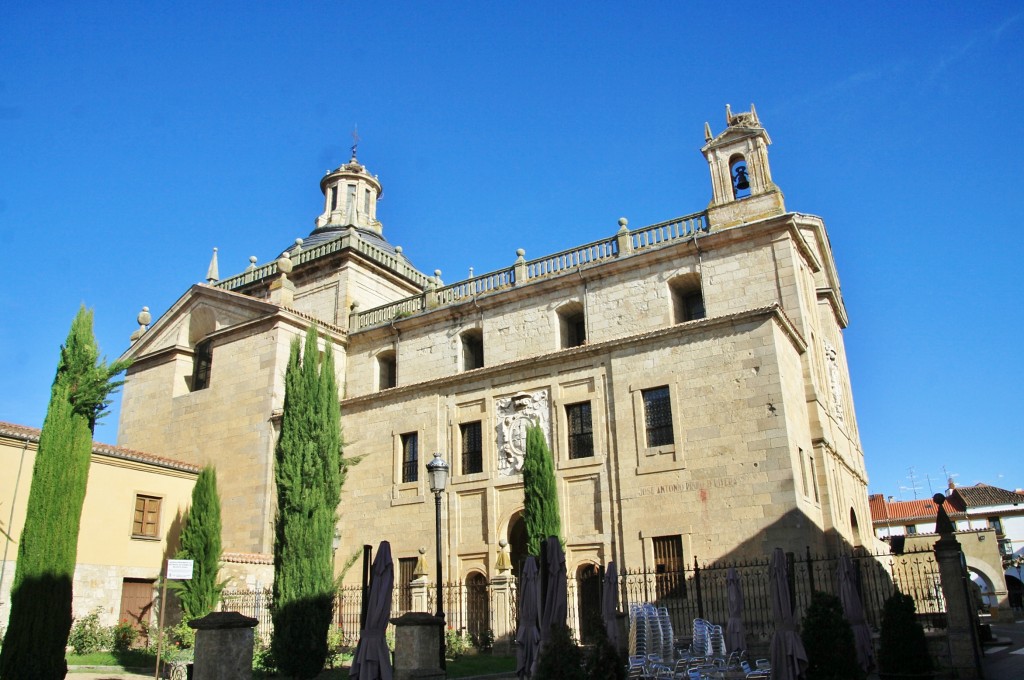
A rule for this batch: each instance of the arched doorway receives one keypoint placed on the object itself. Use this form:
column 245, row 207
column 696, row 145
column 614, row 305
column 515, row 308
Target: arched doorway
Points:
column 1015, row 591
column 478, row 613
column 588, row 602
column 855, row 527
column 517, row 543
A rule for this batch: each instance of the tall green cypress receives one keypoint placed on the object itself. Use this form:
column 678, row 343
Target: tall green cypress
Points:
column 307, row 470
column 200, row 542
column 41, row 595
column 540, row 505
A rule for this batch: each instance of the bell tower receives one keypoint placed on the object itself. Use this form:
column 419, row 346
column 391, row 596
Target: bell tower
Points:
column 350, row 198
column 741, row 179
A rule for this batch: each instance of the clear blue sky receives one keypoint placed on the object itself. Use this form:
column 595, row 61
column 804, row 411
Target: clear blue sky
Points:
column 135, row 137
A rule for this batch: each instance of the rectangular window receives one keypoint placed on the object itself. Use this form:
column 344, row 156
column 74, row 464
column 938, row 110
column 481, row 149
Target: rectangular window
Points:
column 202, row 362
column 472, row 350
column 670, row 577
column 334, row 198
column 995, row 524
column 366, row 201
column 406, row 567
column 658, row 416
column 472, row 448
column 814, row 478
column 146, row 522
column 410, row 457
column 911, row 529
column 803, row 470
column 581, row 431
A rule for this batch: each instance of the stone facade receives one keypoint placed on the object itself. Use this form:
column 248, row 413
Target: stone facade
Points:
column 695, row 369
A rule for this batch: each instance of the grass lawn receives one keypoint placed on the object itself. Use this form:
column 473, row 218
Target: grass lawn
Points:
column 466, row 666
column 135, row 658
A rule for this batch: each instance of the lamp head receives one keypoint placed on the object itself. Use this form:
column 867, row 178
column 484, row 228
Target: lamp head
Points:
column 437, row 474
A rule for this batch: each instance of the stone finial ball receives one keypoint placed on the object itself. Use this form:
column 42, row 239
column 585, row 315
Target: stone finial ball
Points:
column 144, row 317
column 398, row 249
column 623, row 221
column 298, row 242
column 502, row 542
column 437, row 273
column 284, row 264
column 252, row 259
column 423, row 551
column 520, row 252
column 939, row 499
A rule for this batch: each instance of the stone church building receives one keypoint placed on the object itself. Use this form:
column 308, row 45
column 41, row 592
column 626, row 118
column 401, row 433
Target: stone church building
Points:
column 690, row 375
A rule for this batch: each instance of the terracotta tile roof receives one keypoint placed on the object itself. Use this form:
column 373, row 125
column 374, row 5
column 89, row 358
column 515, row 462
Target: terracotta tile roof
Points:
column 983, row 495
column 31, row 434
column 247, row 558
column 909, row 511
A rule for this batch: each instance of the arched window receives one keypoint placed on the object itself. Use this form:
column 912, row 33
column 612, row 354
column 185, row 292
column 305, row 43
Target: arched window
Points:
column 472, row 349
column 740, row 176
column 387, row 370
column 687, row 298
column 572, row 325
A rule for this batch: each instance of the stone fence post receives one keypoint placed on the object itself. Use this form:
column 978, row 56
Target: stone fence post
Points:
column 224, row 642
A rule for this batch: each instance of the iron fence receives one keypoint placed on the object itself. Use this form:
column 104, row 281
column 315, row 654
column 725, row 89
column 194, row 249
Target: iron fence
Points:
column 692, row 592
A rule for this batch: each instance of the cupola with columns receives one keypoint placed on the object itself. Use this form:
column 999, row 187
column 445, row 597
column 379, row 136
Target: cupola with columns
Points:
column 741, row 179
column 350, row 198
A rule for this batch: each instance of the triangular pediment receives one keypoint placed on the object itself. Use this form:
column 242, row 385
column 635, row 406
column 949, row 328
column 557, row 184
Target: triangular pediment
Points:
column 202, row 310
column 737, row 133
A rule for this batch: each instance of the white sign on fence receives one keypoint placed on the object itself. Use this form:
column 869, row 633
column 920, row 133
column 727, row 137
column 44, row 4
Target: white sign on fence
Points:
column 179, row 570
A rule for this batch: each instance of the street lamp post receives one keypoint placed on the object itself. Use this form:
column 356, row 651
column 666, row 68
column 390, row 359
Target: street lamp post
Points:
column 437, row 474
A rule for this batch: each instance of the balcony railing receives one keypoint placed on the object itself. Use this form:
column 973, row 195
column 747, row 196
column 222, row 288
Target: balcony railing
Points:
column 525, row 271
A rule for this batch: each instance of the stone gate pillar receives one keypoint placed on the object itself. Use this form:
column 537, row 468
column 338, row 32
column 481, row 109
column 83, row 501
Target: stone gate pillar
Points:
column 962, row 616
column 503, row 595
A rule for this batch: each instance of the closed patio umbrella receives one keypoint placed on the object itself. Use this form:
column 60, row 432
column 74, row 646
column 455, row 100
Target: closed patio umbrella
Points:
column 854, row 610
column 528, row 625
column 735, row 633
column 555, row 608
column 610, row 603
column 787, row 655
column 373, row 659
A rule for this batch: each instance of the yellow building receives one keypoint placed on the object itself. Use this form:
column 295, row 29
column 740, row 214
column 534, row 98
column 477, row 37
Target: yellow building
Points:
column 690, row 375
column 132, row 513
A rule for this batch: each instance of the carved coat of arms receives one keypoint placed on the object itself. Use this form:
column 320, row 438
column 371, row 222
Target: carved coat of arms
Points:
column 515, row 414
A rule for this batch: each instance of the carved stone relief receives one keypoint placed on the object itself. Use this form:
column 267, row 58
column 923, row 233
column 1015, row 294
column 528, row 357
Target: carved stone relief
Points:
column 515, row 414
column 832, row 365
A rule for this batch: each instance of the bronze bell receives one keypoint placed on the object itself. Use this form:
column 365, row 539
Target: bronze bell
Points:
column 742, row 182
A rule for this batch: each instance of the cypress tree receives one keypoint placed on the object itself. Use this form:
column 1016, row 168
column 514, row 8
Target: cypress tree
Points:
column 200, row 542
column 41, row 596
column 308, row 467
column 828, row 640
column 540, row 504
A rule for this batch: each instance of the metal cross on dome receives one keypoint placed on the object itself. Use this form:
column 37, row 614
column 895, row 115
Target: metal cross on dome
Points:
column 355, row 139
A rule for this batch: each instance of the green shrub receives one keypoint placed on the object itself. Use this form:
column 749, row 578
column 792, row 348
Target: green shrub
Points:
column 263, row 661
column 88, row 636
column 182, row 636
column 603, row 661
column 902, row 648
column 483, row 641
column 456, row 643
column 123, row 636
column 560, row 658
column 828, row 640
column 338, row 649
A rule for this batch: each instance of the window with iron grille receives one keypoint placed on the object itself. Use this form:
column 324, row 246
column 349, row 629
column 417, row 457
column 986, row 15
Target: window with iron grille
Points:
column 406, row 567
column 670, row 577
column 472, row 448
column 581, row 431
column 410, row 457
column 658, row 416
column 146, row 521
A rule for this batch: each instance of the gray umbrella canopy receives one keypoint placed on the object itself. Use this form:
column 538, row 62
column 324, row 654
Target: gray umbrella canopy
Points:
column 555, row 610
column 528, row 625
column 373, row 659
column 610, row 603
column 854, row 610
column 787, row 654
column 735, row 633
